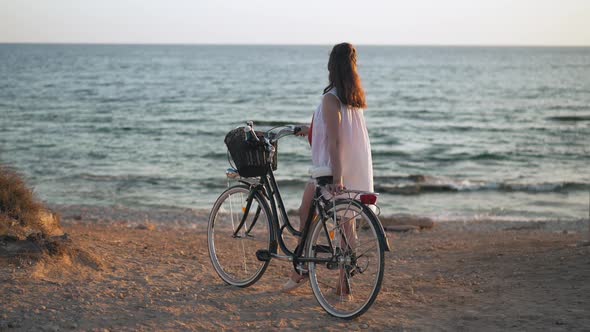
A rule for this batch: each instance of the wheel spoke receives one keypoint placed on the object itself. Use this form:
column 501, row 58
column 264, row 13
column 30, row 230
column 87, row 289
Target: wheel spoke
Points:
column 347, row 288
column 234, row 257
column 373, row 247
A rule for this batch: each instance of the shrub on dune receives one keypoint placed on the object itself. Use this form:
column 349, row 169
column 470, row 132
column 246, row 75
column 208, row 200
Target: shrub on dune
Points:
column 21, row 214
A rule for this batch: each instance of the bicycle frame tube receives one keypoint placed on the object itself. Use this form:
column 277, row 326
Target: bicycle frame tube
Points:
column 245, row 215
column 269, row 185
column 258, row 209
column 305, row 230
column 275, row 195
column 276, row 201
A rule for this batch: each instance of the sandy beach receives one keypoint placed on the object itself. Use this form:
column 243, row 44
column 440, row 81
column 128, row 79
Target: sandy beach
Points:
column 143, row 275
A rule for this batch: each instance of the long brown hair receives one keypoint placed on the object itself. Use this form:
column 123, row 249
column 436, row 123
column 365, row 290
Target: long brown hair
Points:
column 344, row 76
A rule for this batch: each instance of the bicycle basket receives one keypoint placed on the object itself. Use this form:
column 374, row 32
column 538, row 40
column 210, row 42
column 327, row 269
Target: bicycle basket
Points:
column 251, row 159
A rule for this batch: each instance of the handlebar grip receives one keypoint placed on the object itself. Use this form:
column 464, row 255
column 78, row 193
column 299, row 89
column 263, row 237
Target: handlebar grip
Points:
column 296, row 130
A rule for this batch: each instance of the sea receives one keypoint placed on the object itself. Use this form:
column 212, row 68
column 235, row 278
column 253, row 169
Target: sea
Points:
column 457, row 133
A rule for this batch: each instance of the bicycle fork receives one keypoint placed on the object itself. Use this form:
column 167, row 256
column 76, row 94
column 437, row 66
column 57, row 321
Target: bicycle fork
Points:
column 246, row 212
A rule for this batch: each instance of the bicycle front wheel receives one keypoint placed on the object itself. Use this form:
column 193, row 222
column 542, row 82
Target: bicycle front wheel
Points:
column 348, row 285
column 235, row 232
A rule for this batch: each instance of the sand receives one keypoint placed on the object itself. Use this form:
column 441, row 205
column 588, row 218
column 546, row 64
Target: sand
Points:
column 145, row 276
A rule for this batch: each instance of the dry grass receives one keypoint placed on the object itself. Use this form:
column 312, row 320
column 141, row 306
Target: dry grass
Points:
column 38, row 232
column 17, row 201
column 21, row 214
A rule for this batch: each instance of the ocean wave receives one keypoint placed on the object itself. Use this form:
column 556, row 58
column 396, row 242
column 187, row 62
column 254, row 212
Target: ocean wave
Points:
column 182, row 120
column 486, row 220
column 423, row 184
column 569, row 107
column 418, row 99
column 241, row 101
column 97, row 155
column 150, row 179
column 128, row 183
column 126, row 130
column 215, row 155
column 271, row 123
column 84, row 92
column 172, row 100
column 217, row 182
column 389, row 153
column 470, row 156
column 118, row 99
column 300, row 183
column 569, row 118
column 545, row 187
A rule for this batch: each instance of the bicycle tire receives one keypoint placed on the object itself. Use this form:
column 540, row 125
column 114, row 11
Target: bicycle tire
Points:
column 234, row 257
column 363, row 246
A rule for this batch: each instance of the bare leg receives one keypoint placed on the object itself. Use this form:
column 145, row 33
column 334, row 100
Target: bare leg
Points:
column 305, row 204
column 303, row 214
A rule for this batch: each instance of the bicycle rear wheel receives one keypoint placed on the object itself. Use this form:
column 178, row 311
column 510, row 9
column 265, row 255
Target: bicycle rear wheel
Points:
column 232, row 253
column 348, row 285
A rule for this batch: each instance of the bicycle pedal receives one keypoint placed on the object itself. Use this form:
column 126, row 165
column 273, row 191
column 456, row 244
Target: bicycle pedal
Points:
column 263, row 255
column 302, row 270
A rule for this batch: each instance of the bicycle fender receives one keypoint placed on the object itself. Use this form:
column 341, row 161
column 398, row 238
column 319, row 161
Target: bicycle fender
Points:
column 384, row 239
column 380, row 230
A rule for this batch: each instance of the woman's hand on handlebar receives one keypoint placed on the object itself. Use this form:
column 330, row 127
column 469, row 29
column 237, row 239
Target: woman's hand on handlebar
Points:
column 301, row 130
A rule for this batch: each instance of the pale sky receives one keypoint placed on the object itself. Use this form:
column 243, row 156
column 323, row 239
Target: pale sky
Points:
column 438, row 22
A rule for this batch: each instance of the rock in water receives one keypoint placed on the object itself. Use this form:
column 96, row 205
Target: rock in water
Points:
column 401, row 228
column 407, row 220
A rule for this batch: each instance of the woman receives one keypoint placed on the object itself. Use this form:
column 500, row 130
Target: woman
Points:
column 338, row 136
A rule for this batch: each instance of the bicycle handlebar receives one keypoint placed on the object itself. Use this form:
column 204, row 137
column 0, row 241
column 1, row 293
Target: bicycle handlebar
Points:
column 267, row 141
column 286, row 130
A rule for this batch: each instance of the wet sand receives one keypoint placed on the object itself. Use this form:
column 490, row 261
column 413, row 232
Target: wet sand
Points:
column 145, row 276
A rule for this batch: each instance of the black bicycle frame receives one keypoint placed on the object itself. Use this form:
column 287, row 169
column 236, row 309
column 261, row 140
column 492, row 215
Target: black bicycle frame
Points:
column 269, row 188
column 277, row 206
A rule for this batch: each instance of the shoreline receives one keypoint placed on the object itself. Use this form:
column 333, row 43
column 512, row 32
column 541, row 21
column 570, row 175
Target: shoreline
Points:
column 171, row 217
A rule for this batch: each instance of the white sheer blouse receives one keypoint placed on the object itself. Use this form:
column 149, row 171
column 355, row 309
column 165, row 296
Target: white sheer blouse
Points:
column 357, row 162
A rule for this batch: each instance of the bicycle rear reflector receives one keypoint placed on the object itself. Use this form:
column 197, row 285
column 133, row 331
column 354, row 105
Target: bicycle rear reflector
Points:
column 368, row 199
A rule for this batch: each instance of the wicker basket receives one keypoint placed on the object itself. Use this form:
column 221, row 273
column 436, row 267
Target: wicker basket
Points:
column 251, row 159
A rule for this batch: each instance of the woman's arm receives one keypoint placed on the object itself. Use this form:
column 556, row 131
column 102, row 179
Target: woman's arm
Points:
column 332, row 118
column 304, row 131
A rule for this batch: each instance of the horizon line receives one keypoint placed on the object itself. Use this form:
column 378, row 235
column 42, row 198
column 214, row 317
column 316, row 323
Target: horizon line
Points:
column 290, row 44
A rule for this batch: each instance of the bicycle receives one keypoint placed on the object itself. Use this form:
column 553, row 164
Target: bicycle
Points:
column 343, row 240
